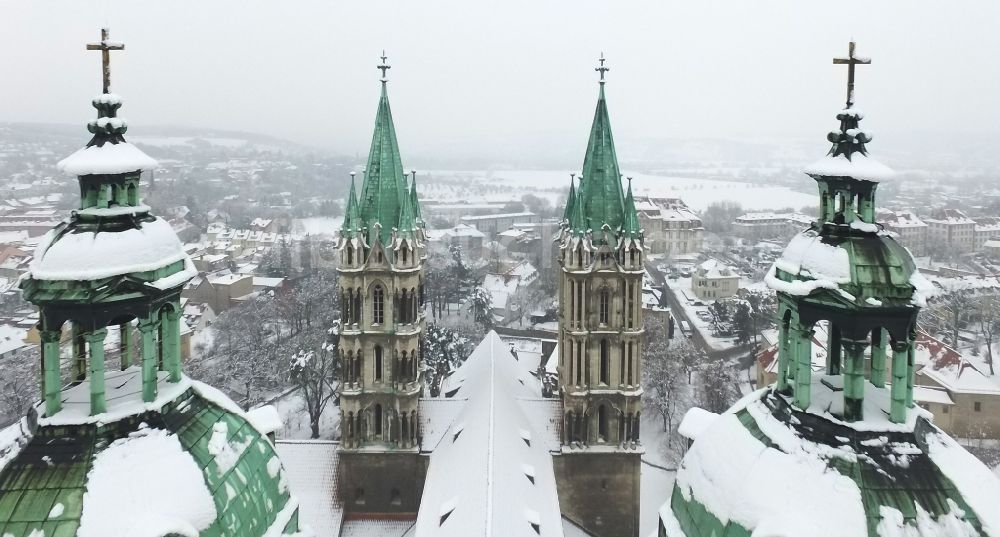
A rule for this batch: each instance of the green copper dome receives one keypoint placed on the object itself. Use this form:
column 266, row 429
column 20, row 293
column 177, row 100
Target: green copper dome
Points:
column 191, row 463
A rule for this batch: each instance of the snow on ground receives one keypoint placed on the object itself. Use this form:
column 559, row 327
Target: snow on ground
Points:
column 654, row 491
column 681, row 288
column 697, row 193
column 317, row 226
column 291, row 407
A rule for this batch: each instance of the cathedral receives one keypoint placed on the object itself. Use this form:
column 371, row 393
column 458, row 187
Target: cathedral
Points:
column 137, row 448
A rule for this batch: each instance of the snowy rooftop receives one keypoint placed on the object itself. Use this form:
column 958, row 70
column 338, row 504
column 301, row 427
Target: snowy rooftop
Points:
column 775, row 476
column 107, row 159
column 514, row 492
column 860, row 167
column 311, row 468
column 89, row 255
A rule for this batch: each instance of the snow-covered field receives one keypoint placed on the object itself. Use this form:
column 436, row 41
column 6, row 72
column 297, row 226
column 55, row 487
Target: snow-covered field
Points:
column 697, row 193
column 293, row 414
column 317, row 226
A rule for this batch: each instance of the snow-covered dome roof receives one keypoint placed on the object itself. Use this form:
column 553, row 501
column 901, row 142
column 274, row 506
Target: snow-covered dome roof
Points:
column 74, row 253
column 864, row 268
column 190, row 463
column 764, row 468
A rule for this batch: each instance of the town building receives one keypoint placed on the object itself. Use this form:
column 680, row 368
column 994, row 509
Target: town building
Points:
column 844, row 450
column 767, row 225
column 912, row 232
column 670, row 228
column 494, row 224
column 951, row 229
column 713, row 280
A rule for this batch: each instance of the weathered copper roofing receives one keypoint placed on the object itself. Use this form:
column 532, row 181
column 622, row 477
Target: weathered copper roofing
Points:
column 383, row 190
column 602, row 196
column 352, row 214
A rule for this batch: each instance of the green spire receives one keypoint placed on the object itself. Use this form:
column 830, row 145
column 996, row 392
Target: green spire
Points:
column 413, row 198
column 603, row 199
column 384, row 188
column 571, row 199
column 352, row 222
column 577, row 221
column 630, row 227
column 407, row 217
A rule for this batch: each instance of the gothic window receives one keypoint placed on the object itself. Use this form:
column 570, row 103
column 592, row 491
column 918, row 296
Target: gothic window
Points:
column 605, row 372
column 378, row 421
column 350, row 255
column 628, row 359
column 378, row 305
column 579, row 363
column 378, row 363
column 602, row 423
column 630, row 305
column 604, row 306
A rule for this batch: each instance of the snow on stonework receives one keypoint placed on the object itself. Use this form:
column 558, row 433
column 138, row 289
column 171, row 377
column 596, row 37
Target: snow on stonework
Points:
column 807, row 255
column 107, row 159
column 88, row 255
column 146, row 485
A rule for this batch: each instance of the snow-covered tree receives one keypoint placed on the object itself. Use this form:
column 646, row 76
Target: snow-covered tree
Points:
column 443, row 350
column 481, row 307
column 314, row 369
column 18, row 386
column 719, row 387
column 989, row 325
column 313, row 299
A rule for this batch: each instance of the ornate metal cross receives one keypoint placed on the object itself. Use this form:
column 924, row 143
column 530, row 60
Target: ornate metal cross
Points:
column 851, row 60
column 106, row 46
column 384, row 66
column 602, row 69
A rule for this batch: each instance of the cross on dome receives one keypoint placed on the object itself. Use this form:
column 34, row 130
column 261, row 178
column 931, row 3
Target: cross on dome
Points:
column 106, row 46
column 851, row 60
column 602, row 68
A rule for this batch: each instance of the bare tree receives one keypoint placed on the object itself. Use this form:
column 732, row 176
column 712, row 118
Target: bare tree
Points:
column 989, row 324
column 719, row 386
column 314, row 369
column 19, row 386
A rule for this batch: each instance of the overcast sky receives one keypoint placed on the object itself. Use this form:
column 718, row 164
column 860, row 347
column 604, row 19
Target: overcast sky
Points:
column 508, row 77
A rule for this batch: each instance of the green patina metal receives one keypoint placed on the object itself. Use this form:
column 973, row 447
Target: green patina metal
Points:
column 52, row 468
column 877, row 471
column 414, row 201
column 352, row 214
column 599, row 205
column 603, row 199
column 874, row 307
column 630, row 227
column 407, row 217
column 384, row 188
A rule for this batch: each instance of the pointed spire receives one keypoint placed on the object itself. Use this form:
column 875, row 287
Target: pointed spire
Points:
column 352, row 223
column 570, row 200
column 630, row 227
column 577, row 220
column 384, row 187
column 407, row 218
column 602, row 195
column 413, row 198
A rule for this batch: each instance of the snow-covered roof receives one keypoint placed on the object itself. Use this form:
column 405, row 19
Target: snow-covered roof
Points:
column 860, row 167
column 514, row 491
column 107, row 159
column 88, row 255
column 695, row 421
column 311, row 469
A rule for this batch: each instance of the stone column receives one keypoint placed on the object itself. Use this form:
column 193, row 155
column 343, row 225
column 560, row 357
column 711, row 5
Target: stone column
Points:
column 51, row 376
column 878, row 357
column 125, row 344
column 803, row 371
column 95, row 340
column 147, row 327
column 171, row 335
column 854, row 378
column 900, row 372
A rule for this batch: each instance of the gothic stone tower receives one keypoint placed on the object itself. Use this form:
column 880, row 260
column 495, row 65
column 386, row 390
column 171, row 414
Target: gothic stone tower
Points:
column 381, row 282
column 600, row 327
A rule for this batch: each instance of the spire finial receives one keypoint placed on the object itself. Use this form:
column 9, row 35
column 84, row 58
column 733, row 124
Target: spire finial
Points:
column 106, row 46
column 602, row 68
column 384, row 66
column 851, row 60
